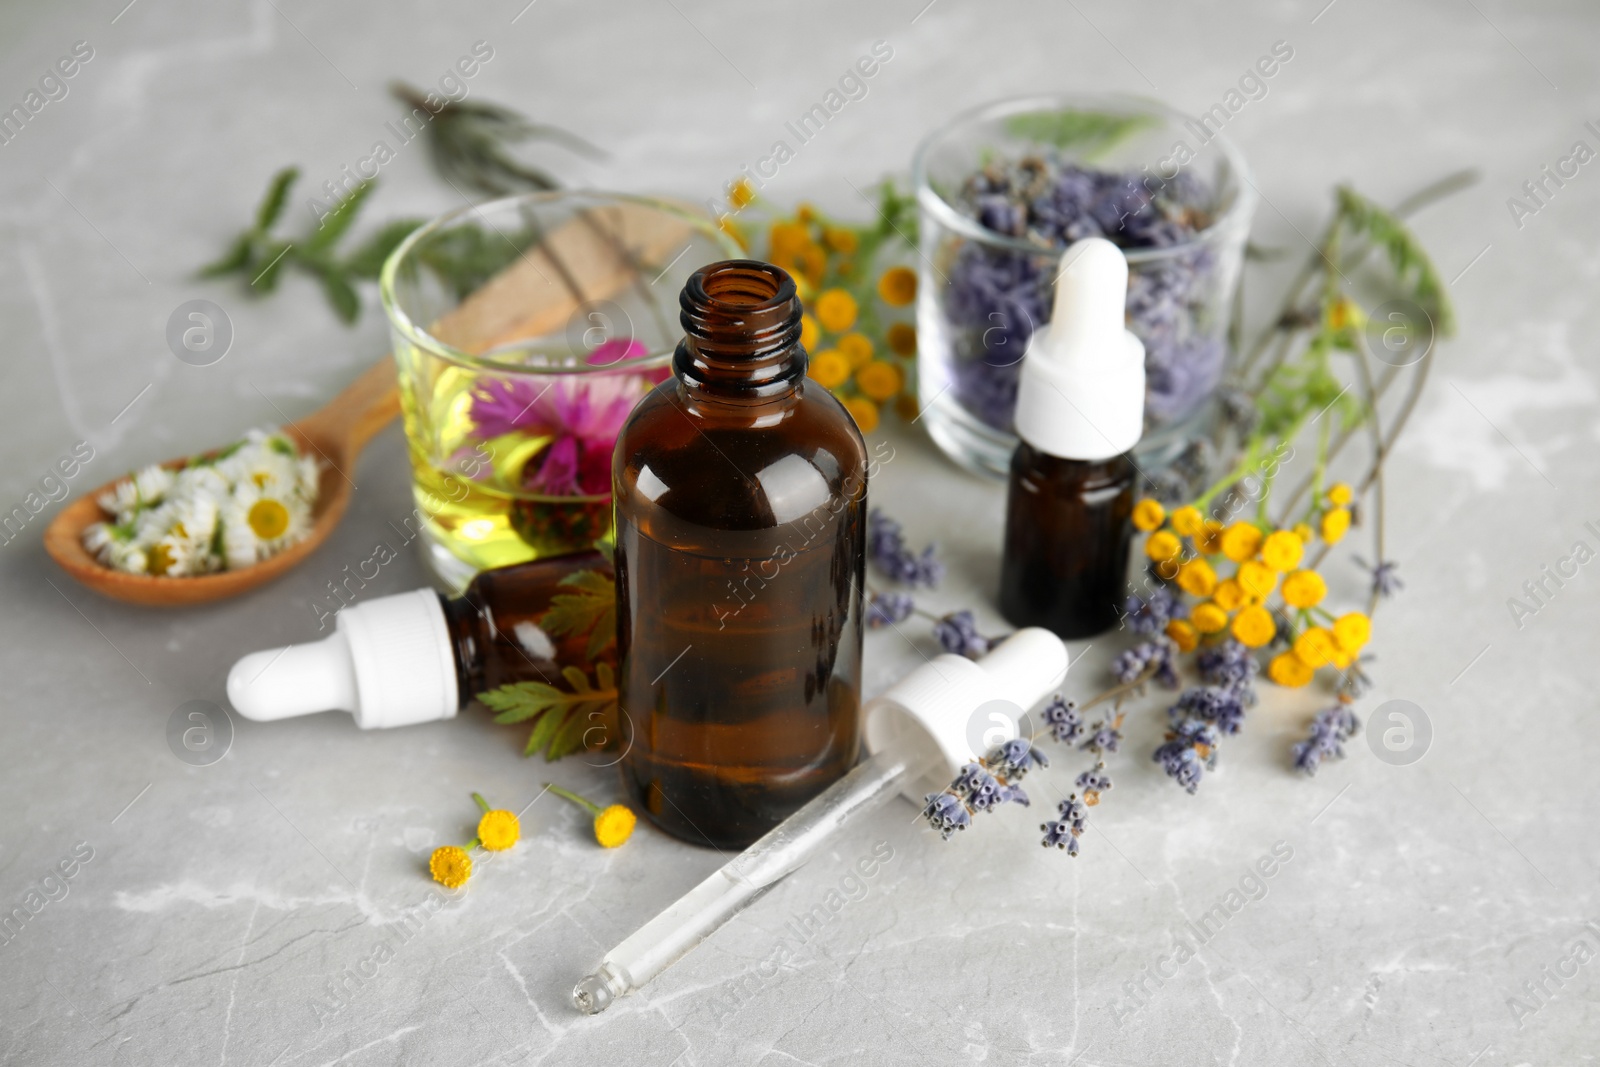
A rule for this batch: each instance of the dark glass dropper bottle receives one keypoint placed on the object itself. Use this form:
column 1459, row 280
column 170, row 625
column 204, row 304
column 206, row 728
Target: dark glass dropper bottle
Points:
column 1080, row 409
column 740, row 489
column 416, row 657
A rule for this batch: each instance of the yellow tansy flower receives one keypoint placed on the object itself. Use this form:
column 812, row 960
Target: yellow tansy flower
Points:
column 1197, row 578
column 835, row 310
column 1352, row 631
column 1163, row 545
column 450, row 866
column 1187, row 521
column 612, row 825
column 1303, row 531
column 879, row 380
column 498, row 830
column 1288, row 670
column 1334, row 525
column 810, row 333
column 840, row 239
column 1240, row 541
column 1257, row 579
column 1148, row 514
column 1345, row 314
column 902, row 338
column 1253, row 626
column 829, row 368
column 864, row 411
column 804, row 212
column 1229, row 595
column 856, row 348
column 1208, row 618
column 741, row 194
column 787, row 239
column 1282, row 550
column 1315, row 647
column 1183, row 635
column 1340, row 493
column 1304, row 589
column 1210, row 539
column 735, row 231
column 898, row 286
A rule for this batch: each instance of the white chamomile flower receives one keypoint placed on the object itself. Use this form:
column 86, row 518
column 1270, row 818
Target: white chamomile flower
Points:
column 203, row 480
column 277, row 519
column 261, row 468
column 128, row 556
column 121, row 500
column 240, row 546
column 153, row 484
column 173, row 556
column 99, row 538
column 310, row 470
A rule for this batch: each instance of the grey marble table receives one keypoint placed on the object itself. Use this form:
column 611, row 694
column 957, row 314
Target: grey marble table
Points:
column 1429, row 914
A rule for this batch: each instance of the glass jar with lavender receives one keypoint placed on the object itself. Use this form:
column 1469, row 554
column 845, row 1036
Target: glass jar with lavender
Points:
column 1004, row 189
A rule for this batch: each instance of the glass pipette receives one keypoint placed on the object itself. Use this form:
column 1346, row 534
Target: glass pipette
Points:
column 919, row 733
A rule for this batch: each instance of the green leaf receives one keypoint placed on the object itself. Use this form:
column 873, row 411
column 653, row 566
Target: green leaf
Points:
column 1413, row 270
column 345, row 300
column 336, row 222
column 274, row 255
column 237, row 258
column 1088, row 132
column 556, row 709
column 591, row 610
column 368, row 259
column 277, row 196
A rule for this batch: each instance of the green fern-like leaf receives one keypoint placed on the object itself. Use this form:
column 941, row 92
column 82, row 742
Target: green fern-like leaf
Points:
column 562, row 717
column 1413, row 270
column 591, row 610
column 272, row 205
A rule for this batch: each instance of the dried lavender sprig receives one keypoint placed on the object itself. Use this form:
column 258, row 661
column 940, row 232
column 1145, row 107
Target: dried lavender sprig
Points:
column 886, row 548
column 1330, row 729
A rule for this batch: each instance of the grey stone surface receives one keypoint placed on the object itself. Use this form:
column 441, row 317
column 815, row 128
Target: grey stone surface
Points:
column 220, row 901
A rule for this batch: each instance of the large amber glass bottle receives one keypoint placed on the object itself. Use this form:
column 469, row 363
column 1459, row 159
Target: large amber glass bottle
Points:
column 740, row 489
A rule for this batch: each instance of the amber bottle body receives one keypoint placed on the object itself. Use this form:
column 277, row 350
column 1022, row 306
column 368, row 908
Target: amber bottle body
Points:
column 494, row 628
column 1066, row 542
column 740, row 490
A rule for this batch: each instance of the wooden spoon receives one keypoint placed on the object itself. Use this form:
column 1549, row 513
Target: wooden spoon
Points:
column 520, row 302
column 335, row 435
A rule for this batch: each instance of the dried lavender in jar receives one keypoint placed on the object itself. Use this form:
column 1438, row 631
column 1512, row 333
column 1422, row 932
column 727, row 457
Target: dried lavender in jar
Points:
column 997, row 297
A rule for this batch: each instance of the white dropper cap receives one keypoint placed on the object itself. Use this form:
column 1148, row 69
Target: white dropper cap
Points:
column 388, row 662
column 929, row 714
column 1082, row 390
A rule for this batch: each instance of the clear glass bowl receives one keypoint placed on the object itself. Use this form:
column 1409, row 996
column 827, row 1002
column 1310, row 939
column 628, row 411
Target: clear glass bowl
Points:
column 983, row 292
column 524, row 330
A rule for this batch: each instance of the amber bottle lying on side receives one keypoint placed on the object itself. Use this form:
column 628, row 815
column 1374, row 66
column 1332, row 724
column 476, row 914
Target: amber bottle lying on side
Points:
column 740, row 490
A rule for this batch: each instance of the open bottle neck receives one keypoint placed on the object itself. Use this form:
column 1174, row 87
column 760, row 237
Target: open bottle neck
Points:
column 741, row 344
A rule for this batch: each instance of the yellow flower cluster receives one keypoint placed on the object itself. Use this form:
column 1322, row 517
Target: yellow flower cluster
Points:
column 498, row 830
column 1265, row 562
column 858, row 349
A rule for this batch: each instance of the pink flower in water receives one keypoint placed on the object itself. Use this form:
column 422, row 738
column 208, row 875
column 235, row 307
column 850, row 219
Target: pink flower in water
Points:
column 581, row 416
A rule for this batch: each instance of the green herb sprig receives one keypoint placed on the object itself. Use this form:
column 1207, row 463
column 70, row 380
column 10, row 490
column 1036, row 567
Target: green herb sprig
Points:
column 260, row 255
